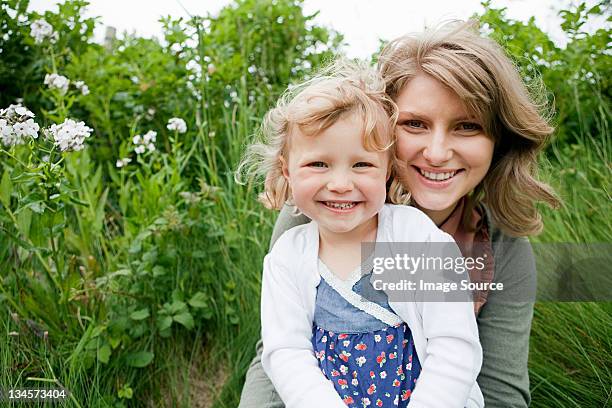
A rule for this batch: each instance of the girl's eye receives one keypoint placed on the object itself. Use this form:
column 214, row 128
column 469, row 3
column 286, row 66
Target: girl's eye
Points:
column 363, row 164
column 318, row 164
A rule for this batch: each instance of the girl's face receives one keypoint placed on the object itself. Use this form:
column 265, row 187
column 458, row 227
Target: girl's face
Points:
column 334, row 180
column 443, row 151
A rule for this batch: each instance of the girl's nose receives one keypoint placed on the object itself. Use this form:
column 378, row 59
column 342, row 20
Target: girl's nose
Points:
column 340, row 182
column 437, row 151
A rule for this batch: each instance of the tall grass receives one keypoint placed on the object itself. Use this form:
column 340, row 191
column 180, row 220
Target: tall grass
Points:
column 571, row 343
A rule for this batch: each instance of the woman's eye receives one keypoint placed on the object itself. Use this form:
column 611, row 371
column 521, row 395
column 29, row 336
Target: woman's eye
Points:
column 363, row 164
column 470, row 127
column 318, row 164
column 413, row 123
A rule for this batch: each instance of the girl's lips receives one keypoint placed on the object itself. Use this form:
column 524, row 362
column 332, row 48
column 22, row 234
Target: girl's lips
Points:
column 437, row 184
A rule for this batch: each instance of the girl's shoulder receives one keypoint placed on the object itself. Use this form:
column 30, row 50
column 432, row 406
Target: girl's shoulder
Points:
column 299, row 239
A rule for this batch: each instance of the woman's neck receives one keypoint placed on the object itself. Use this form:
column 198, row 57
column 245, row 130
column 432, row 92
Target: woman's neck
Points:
column 438, row 216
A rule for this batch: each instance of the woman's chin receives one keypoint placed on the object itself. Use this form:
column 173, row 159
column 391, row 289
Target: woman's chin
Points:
column 434, row 202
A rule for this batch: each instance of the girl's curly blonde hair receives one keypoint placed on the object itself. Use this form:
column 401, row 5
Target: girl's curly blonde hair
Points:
column 342, row 88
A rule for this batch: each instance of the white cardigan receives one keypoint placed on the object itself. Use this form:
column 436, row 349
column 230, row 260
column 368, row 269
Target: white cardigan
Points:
column 445, row 333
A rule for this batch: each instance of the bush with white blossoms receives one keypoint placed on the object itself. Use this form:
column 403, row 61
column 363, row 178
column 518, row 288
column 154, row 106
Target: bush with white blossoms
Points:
column 42, row 30
column 57, row 81
column 15, row 124
column 177, row 124
column 70, row 135
column 145, row 141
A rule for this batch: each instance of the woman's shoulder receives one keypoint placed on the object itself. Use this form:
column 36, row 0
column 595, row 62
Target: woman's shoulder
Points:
column 296, row 240
column 514, row 257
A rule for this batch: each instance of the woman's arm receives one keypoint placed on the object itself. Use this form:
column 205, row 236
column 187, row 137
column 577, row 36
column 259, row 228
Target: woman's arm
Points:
column 258, row 391
column 504, row 324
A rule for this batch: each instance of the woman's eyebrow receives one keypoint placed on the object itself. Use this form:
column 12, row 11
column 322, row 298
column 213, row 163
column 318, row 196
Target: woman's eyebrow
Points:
column 404, row 115
column 410, row 115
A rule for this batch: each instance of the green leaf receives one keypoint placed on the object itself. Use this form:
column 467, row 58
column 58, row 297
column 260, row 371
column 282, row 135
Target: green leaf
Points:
column 104, row 353
column 198, row 300
column 139, row 359
column 177, row 307
column 185, row 319
column 140, row 314
column 6, row 188
column 164, row 323
column 159, row 270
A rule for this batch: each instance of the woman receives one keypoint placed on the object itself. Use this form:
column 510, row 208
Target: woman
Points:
column 468, row 135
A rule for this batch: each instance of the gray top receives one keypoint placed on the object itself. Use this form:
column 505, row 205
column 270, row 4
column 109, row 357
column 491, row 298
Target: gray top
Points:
column 503, row 326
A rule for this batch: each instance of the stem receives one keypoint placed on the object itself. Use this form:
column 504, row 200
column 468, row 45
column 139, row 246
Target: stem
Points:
column 37, row 253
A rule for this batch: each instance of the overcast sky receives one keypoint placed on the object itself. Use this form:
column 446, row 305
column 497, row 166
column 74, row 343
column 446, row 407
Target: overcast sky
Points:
column 362, row 22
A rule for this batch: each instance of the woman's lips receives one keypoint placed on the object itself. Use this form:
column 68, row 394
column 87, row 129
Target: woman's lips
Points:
column 444, row 177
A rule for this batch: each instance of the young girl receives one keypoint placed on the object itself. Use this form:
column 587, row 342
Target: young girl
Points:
column 327, row 149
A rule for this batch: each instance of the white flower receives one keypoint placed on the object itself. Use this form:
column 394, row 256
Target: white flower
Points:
column 123, row 162
column 145, row 142
column 15, row 124
column 211, row 69
column 70, row 135
column 57, row 81
column 27, row 128
column 23, row 111
column 150, row 136
column 177, row 124
column 80, row 85
column 42, row 30
column 16, row 112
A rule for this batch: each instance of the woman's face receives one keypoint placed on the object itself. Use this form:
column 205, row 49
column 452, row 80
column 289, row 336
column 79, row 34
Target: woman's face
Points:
column 443, row 151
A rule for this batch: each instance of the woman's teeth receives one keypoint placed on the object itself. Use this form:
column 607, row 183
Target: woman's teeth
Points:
column 437, row 176
column 341, row 206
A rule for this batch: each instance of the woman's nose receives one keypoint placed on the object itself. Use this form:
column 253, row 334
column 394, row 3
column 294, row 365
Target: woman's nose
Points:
column 340, row 182
column 438, row 151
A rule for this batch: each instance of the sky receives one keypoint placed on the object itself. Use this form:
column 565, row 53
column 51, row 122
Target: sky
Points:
column 362, row 22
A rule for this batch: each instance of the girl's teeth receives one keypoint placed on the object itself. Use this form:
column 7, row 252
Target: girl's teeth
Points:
column 437, row 176
column 342, row 206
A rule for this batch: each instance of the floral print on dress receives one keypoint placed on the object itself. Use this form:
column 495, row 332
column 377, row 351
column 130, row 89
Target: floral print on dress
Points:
column 378, row 368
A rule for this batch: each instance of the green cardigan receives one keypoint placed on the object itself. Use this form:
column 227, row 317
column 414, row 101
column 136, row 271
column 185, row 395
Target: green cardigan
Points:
column 503, row 327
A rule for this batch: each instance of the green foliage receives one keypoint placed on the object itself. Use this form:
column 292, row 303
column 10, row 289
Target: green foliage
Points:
column 578, row 75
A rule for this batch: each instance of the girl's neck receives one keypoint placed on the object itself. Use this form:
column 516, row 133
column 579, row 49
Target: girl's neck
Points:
column 341, row 252
column 365, row 232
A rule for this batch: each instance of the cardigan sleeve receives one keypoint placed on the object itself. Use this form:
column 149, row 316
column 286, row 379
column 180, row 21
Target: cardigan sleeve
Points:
column 288, row 357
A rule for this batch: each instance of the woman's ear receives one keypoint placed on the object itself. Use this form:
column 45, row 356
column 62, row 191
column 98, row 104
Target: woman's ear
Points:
column 284, row 167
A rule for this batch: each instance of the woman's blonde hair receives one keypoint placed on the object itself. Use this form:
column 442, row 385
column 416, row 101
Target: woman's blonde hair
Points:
column 342, row 88
column 485, row 79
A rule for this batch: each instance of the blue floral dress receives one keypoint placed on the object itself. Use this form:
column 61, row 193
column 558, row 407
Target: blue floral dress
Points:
column 363, row 348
